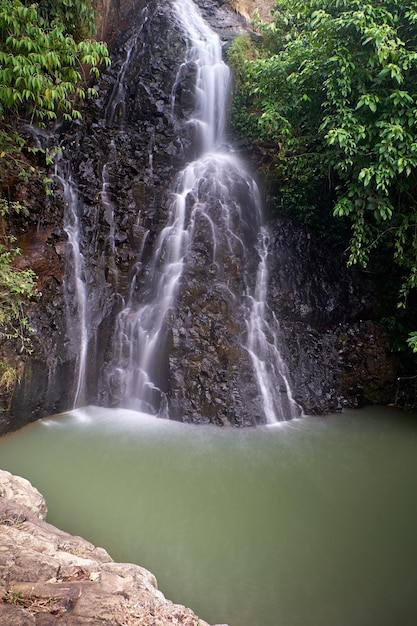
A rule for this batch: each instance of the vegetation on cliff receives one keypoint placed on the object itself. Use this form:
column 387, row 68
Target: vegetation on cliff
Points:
column 46, row 59
column 329, row 92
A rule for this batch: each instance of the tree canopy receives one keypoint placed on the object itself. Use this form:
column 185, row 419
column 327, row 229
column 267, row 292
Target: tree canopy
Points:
column 42, row 57
column 333, row 86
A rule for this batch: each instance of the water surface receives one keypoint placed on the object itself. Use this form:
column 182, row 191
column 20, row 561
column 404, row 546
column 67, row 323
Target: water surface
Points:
column 309, row 523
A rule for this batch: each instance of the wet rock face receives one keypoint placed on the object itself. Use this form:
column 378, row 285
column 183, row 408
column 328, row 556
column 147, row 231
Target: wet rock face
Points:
column 337, row 356
column 114, row 17
column 122, row 161
column 211, row 377
column 225, row 22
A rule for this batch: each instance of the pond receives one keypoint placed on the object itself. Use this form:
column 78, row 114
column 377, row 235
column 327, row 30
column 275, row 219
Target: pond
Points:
column 311, row 522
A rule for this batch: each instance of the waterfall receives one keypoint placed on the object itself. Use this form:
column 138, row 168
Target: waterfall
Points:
column 263, row 333
column 75, row 287
column 212, row 83
column 217, row 190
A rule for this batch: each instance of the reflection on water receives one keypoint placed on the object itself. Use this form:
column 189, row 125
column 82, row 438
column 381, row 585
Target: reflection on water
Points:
column 309, row 523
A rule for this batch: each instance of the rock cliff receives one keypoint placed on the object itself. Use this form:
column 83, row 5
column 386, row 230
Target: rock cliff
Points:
column 50, row 577
column 338, row 355
column 117, row 168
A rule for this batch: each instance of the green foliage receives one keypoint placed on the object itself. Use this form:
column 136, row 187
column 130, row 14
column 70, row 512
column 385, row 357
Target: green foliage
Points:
column 237, row 54
column 78, row 16
column 16, row 286
column 8, row 377
column 412, row 341
column 244, row 120
column 41, row 64
column 265, row 110
column 46, row 61
column 334, row 90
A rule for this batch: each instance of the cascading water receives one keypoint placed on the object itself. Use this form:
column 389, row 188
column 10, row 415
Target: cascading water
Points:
column 212, row 81
column 262, row 343
column 76, row 290
column 215, row 189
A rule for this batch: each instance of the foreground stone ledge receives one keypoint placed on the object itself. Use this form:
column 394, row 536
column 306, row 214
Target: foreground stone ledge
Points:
column 48, row 576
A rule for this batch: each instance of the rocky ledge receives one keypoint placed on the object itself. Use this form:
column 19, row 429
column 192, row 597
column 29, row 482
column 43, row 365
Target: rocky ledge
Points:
column 50, row 577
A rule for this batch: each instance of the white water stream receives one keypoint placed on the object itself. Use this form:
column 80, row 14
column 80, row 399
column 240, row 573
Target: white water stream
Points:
column 76, row 288
column 263, row 346
column 142, row 330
